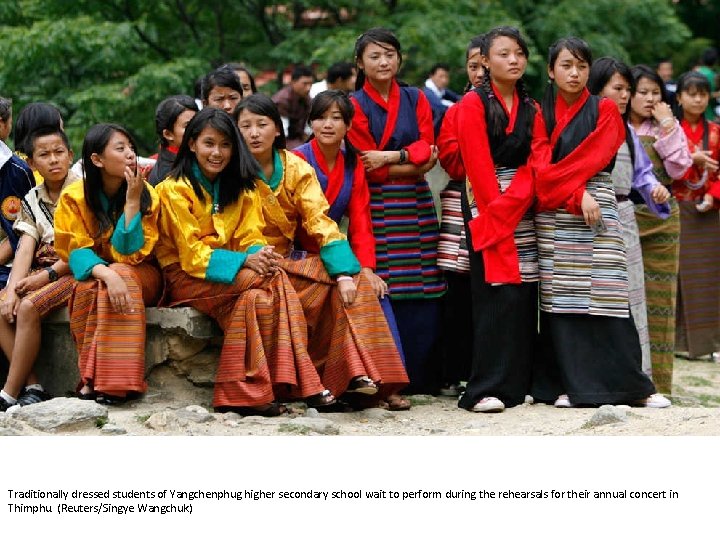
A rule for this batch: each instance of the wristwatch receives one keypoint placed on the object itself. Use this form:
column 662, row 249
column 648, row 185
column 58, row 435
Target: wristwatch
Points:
column 52, row 274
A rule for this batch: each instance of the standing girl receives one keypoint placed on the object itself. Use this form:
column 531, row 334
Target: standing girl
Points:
column 633, row 171
column 106, row 229
column 666, row 145
column 698, row 195
column 585, row 319
column 171, row 118
column 350, row 342
column 215, row 259
column 393, row 130
column 495, row 126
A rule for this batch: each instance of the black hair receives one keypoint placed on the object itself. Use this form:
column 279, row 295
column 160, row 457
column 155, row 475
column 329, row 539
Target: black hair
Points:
column 379, row 36
column 688, row 81
column 603, row 70
column 31, row 117
column 300, row 71
column 239, row 174
column 322, row 102
column 580, row 50
column 495, row 113
column 476, row 42
column 197, row 87
column 44, row 132
column 437, row 66
column 5, row 108
column 339, row 71
column 236, row 66
column 709, row 57
column 663, row 60
column 96, row 141
column 264, row 106
column 167, row 113
column 220, row 77
column 642, row 71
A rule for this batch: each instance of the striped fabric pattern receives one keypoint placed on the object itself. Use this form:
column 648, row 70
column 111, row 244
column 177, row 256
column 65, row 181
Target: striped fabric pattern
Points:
column 660, row 241
column 264, row 356
column 345, row 341
column 452, row 243
column 406, row 234
column 699, row 296
column 53, row 295
column 582, row 272
column 112, row 345
column 525, row 238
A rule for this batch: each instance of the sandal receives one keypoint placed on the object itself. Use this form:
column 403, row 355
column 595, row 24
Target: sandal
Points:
column 323, row 399
column 362, row 385
column 90, row 395
column 109, row 399
column 267, row 410
column 396, row 402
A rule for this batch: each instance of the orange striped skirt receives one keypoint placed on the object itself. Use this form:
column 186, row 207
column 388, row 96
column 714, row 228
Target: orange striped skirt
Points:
column 345, row 341
column 52, row 296
column 111, row 345
column 264, row 355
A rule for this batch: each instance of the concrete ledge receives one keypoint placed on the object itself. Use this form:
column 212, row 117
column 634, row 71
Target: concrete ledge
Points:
column 176, row 335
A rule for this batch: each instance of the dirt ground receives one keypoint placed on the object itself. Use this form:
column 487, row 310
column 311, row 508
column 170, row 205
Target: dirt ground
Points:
column 695, row 411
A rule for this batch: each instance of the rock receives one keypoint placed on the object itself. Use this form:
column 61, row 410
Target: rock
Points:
column 62, row 414
column 199, row 368
column 304, row 426
column 181, row 346
column 312, row 413
column 478, row 424
column 194, row 413
column 112, row 429
column 606, row 414
column 9, row 426
column 377, row 414
column 163, row 421
column 231, row 417
column 437, row 431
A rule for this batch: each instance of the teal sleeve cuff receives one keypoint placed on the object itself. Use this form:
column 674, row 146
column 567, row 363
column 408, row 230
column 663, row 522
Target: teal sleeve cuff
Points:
column 339, row 258
column 128, row 240
column 254, row 249
column 82, row 261
column 224, row 265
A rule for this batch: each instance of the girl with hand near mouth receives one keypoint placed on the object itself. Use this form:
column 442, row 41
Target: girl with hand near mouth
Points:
column 106, row 229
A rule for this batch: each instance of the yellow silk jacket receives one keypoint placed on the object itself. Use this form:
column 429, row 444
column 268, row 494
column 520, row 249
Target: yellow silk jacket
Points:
column 207, row 245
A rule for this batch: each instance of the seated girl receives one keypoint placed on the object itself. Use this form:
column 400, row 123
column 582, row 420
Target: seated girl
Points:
column 29, row 296
column 350, row 342
column 106, row 229
column 342, row 178
column 215, row 259
column 171, row 119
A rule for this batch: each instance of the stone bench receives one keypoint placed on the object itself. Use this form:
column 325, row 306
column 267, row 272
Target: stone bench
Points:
column 183, row 337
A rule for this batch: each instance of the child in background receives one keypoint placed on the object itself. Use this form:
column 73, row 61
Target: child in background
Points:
column 171, row 118
column 29, row 296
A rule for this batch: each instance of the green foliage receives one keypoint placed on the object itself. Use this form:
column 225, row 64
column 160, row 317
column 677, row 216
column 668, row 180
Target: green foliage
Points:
column 114, row 60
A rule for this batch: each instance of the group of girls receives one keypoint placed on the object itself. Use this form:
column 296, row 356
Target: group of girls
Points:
column 542, row 204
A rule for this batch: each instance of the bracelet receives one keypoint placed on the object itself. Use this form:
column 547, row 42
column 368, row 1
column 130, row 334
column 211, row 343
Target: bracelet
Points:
column 667, row 121
column 403, row 156
column 343, row 278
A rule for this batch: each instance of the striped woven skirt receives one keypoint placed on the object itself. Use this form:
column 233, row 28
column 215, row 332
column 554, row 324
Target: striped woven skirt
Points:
column 52, row 296
column 636, row 279
column 406, row 235
column 452, row 245
column 582, row 272
column 264, row 355
column 111, row 345
column 698, row 310
column 345, row 342
column 660, row 241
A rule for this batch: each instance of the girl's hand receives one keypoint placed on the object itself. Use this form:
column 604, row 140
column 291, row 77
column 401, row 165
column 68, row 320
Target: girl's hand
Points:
column 378, row 285
column 135, row 183
column 9, row 305
column 706, row 204
column 347, row 290
column 434, row 152
column 660, row 194
column 374, row 159
column 590, row 209
column 32, row 283
column 702, row 159
column 661, row 111
column 118, row 292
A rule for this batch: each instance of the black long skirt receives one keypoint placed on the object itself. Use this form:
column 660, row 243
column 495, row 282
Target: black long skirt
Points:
column 595, row 360
column 504, row 336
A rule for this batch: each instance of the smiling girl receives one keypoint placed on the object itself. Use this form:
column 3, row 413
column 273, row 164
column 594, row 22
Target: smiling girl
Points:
column 698, row 195
column 592, row 353
column 106, row 229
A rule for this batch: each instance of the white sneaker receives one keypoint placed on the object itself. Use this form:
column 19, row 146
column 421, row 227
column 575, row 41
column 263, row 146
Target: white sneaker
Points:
column 489, row 404
column 656, row 401
column 563, row 402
